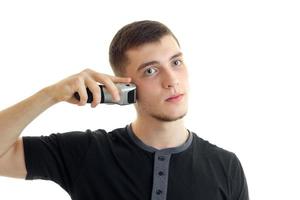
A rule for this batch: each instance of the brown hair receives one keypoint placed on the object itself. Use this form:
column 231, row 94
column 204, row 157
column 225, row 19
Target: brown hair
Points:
column 134, row 35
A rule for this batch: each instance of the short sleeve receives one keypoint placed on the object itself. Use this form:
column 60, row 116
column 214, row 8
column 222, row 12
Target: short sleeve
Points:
column 238, row 183
column 58, row 157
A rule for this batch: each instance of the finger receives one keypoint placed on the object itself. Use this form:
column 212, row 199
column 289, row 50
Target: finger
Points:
column 73, row 100
column 117, row 79
column 100, row 78
column 82, row 93
column 111, row 88
column 108, row 81
column 94, row 88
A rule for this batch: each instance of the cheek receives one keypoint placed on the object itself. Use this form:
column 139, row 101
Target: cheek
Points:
column 185, row 80
column 187, row 84
column 140, row 89
column 146, row 91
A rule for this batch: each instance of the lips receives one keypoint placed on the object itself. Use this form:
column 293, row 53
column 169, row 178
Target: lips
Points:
column 175, row 97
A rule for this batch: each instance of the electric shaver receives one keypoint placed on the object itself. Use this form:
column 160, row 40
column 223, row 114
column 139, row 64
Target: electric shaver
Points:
column 127, row 93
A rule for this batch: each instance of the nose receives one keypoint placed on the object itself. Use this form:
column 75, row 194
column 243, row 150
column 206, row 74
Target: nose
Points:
column 170, row 79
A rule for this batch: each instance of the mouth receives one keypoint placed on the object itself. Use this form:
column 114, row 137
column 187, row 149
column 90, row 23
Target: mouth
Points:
column 175, row 98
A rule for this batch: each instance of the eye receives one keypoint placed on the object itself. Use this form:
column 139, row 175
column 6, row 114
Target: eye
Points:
column 177, row 62
column 150, row 71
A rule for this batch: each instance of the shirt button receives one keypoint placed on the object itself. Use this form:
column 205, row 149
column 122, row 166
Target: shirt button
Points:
column 160, row 173
column 161, row 158
column 158, row 192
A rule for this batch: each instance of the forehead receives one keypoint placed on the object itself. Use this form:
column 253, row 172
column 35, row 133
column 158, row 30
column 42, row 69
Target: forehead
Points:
column 159, row 51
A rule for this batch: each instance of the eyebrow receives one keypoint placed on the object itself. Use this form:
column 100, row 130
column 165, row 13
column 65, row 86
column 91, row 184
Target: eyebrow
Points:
column 143, row 65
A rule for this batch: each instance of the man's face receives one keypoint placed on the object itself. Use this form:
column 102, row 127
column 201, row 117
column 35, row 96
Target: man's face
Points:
column 161, row 77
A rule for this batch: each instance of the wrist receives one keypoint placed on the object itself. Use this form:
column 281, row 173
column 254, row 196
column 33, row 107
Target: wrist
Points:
column 49, row 95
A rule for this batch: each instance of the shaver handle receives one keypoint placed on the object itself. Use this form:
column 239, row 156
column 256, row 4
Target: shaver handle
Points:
column 90, row 95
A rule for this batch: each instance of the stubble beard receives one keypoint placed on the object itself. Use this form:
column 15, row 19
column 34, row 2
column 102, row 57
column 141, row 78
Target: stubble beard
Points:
column 162, row 117
column 166, row 118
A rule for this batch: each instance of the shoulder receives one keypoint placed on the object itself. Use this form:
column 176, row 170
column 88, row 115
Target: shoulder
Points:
column 69, row 143
column 101, row 134
column 76, row 137
column 224, row 164
column 212, row 152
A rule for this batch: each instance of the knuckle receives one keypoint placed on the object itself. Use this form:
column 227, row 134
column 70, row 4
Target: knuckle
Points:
column 87, row 70
column 77, row 80
column 82, row 74
column 106, row 79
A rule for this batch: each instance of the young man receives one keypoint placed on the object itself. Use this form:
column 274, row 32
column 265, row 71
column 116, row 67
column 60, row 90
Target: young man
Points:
column 154, row 157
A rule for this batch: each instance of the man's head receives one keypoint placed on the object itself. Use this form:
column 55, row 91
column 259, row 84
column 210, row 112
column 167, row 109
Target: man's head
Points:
column 149, row 53
column 134, row 35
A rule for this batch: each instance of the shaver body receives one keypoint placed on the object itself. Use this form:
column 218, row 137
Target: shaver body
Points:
column 127, row 93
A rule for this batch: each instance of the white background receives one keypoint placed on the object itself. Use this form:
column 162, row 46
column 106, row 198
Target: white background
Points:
column 243, row 59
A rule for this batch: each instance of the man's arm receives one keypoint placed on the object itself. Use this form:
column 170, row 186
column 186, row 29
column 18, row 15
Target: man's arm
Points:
column 12, row 121
column 238, row 182
column 15, row 118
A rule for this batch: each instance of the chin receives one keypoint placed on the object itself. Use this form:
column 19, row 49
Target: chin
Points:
column 168, row 118
column 165, row 113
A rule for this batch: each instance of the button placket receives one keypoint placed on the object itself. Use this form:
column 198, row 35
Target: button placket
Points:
column 161, row 163
column 158, row 192
column 161, row 158
column 160, row 175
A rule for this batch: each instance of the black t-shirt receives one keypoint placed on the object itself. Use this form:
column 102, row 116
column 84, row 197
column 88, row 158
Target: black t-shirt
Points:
column 117, row 165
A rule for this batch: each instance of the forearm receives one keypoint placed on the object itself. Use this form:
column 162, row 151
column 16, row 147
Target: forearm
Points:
column 15, row 118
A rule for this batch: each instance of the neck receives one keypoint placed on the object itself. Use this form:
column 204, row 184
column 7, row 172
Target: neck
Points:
column 160, row 134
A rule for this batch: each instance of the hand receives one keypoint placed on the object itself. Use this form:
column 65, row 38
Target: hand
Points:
column 64, row 90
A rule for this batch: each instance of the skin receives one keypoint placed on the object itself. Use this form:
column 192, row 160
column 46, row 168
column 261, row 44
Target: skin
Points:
column 159, row 122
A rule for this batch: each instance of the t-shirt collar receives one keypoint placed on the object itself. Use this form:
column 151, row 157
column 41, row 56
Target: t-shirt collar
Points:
column 146, row 147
